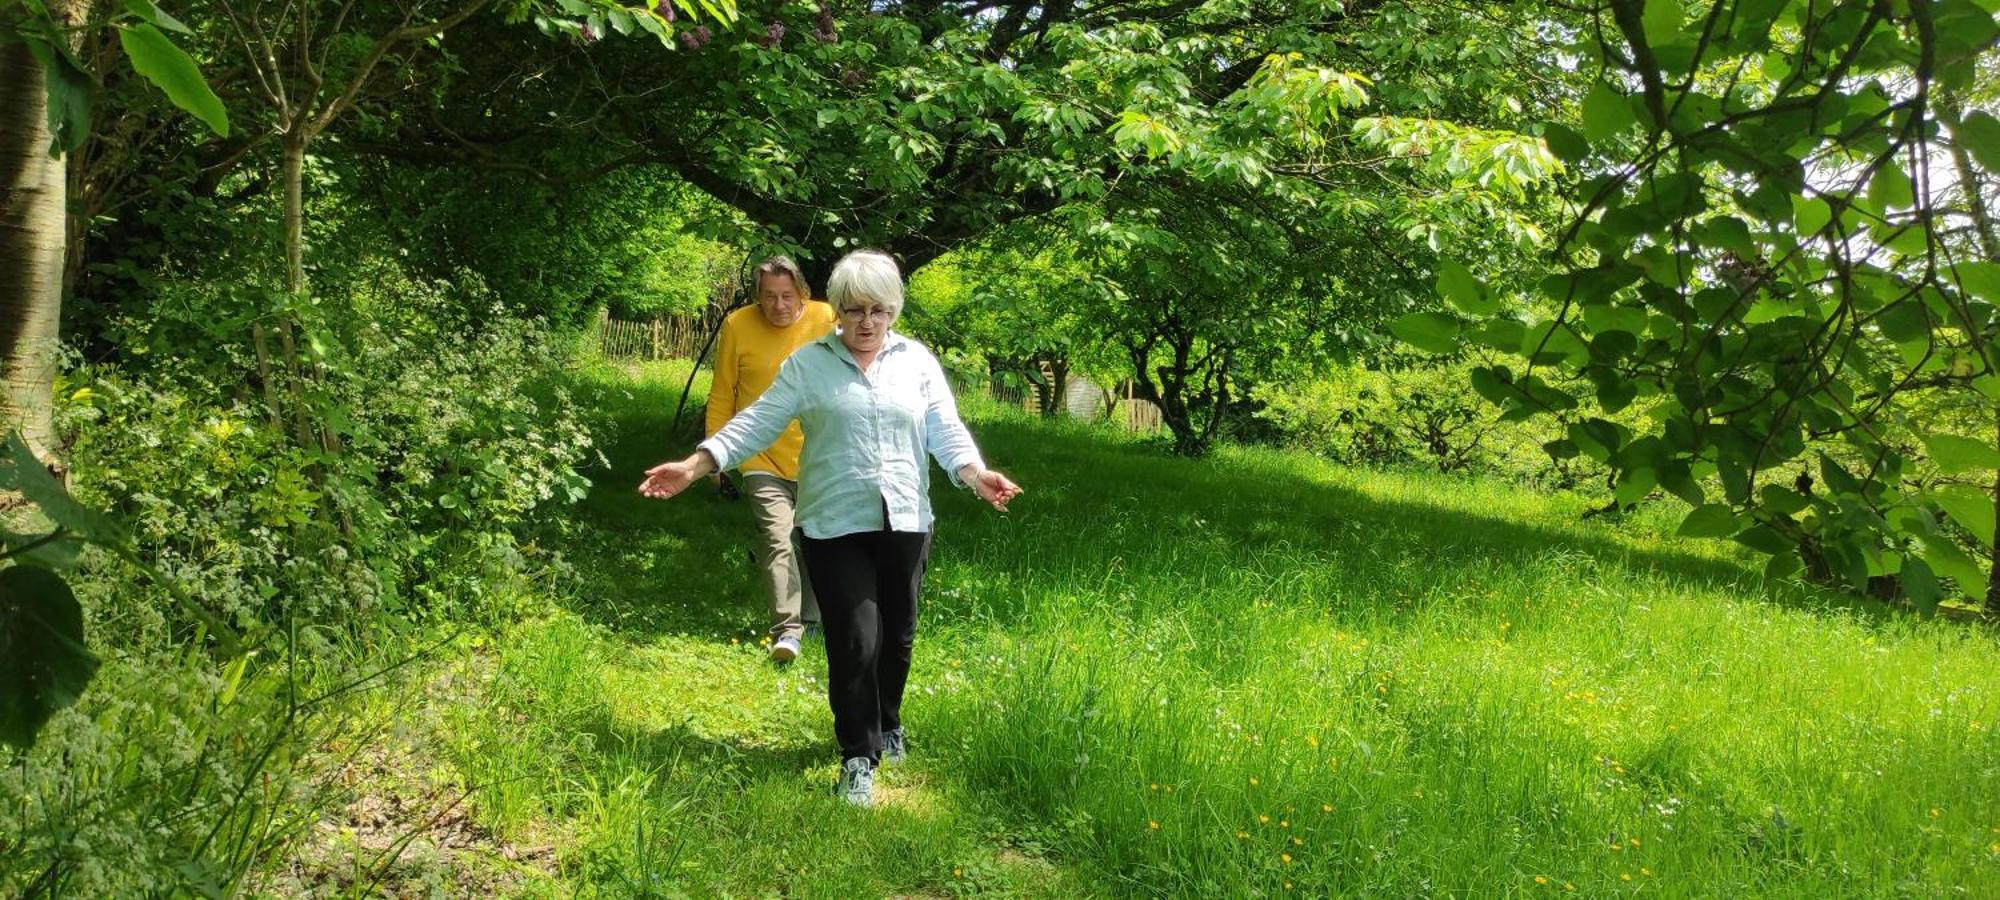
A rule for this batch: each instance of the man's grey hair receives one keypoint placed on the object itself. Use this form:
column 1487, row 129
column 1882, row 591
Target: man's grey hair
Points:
column 866, row 275
column 781, row 265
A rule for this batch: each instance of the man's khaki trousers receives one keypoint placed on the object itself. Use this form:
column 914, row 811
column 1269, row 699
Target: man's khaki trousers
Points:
column 772, row 501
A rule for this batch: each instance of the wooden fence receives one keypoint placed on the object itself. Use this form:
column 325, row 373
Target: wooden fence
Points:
column 671, row 337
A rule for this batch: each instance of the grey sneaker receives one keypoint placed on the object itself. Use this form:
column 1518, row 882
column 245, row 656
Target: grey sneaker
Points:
column 785, row 649
column 894, row 748
column 857, row 782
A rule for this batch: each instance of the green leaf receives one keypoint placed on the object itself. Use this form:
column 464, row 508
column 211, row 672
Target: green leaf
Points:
column 1712, row 520
column 1891, row 188
column 69, row 92
column 49, row 551
column 1427, row 331
column 1765, row 539
column 1980, row 134
column 1488, row 385
column 1457, row 285
column 1616, row 394
column 174, row 72
column 151, row 12
column 1809, row 215
column 1606, row 114
column 1565, row 142
column 1946, row 559
column 1980, row 279
column 1783, row 565
column 1634, row 485
column 1782, row 500
column 21, row 471
column 1970, row 507
column 1954, row 454
column 44, row 665
column 1661, row 21
column 1920, row 584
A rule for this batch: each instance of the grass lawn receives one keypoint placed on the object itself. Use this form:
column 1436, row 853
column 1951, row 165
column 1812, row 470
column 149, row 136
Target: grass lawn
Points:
column 1250, row 675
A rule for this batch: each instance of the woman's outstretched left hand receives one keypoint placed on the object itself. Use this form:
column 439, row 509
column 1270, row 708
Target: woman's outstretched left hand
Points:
column 994, row 488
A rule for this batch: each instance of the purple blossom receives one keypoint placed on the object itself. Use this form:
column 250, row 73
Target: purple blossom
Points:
column 666, row 10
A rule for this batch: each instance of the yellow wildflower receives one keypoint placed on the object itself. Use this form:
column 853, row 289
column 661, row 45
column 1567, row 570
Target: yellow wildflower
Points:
column 1287, row 857
column 1153, row 824
column 1541, row 879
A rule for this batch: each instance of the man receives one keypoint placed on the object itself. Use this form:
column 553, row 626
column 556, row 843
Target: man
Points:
column 755, row 342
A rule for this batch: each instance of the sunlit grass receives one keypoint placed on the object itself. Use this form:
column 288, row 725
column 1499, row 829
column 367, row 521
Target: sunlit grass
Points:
column 1248, row 675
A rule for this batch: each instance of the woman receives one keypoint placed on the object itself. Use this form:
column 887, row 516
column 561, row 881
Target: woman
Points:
column 872, row 403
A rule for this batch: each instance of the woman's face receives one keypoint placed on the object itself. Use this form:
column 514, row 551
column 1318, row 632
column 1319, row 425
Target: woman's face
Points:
column 864, row 324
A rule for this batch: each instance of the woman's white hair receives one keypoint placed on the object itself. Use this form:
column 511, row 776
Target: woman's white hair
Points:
column 866, row 275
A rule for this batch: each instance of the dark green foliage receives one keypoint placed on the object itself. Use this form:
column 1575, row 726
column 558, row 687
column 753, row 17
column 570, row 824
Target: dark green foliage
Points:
column 44, row 665
column 1762, row 263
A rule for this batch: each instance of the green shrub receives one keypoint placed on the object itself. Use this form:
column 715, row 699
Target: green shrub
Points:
column 1423, row 414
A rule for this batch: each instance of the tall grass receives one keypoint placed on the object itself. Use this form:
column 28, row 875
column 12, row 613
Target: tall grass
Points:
column 1250, row 675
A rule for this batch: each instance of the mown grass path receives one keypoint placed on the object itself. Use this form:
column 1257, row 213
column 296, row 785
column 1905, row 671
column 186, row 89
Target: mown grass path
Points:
column 1253, row 675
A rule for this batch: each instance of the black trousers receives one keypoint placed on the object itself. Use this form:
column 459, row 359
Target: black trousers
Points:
column 867, row 586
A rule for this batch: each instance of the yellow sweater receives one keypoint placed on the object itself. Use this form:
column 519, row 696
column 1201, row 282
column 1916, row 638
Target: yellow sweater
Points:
column 747, row 361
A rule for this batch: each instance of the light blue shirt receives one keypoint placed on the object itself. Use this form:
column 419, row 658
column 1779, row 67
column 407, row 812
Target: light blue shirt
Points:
column 866, row 435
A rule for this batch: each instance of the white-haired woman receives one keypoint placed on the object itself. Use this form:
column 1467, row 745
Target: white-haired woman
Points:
column 872, row 404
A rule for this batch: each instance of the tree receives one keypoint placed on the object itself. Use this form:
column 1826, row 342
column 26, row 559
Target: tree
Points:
column 45, row 100
column 1765, row 255
column 917, row 127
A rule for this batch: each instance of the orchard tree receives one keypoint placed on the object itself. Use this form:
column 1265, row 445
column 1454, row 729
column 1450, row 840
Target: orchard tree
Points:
column 918, row 127
column 1783, row 252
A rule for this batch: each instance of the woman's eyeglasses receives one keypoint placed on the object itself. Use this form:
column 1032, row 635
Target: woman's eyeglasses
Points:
column 856, row 314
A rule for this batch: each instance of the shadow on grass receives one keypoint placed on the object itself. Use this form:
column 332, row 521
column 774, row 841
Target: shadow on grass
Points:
column 1095, row 502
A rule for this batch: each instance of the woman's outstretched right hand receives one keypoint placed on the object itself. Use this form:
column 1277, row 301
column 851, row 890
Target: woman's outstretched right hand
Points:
column 670, row 478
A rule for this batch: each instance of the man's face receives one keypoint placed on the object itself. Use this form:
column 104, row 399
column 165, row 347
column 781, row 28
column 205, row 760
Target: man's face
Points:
column 779, row 298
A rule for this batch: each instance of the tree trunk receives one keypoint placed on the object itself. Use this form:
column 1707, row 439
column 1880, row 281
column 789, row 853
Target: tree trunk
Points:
column 293, row 176
column 33, row 192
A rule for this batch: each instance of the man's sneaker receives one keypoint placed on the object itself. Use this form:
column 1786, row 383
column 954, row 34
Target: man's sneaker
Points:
column 894, row 749
column 785, row 649
column 857, row 782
